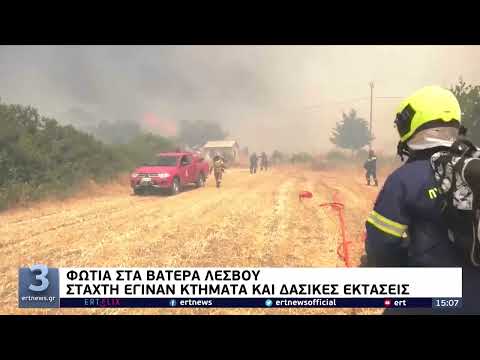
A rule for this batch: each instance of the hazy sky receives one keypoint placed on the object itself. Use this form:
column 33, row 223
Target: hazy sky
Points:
column 266, row 97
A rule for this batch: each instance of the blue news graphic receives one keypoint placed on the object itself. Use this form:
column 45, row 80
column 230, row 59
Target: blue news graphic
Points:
column 447, row 303
column 38, row 287
column 248, row 303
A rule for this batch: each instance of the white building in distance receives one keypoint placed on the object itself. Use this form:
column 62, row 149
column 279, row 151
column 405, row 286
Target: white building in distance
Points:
column 229, row 149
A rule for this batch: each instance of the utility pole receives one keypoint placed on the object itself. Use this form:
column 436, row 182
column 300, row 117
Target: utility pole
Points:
column 371, row 106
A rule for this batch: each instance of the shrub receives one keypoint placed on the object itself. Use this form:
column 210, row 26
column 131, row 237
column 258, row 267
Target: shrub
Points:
column 337, row 156
column 39, row 157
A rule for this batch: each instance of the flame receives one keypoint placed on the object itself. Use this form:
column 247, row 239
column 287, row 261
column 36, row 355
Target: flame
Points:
column 160, row 126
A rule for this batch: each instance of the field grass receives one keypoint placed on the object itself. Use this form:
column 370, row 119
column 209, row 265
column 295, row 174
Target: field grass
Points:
column 251, row 221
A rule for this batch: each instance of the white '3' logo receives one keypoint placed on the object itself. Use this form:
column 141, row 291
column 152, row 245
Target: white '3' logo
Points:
column 40, row 277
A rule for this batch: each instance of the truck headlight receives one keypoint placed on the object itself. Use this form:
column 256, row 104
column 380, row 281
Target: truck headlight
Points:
column 163, row 175
column 134, row 175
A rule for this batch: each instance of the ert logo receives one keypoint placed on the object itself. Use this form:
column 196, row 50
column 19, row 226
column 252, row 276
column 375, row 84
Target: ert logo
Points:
column 38, row 287
column 41, row 272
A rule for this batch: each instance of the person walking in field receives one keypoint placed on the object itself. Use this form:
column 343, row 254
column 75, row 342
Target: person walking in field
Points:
column 263, row 161
column 253, row 163
column 218, row 168
column 371, row 167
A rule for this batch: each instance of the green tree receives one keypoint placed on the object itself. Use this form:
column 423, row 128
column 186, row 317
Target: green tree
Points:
column 301, row 157
column 119, row 132
column 144, row 148
column 469, row 98
column 39, row 157
column 351, row 132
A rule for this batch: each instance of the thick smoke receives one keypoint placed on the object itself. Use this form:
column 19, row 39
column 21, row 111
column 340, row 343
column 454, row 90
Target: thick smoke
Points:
column 267, row 97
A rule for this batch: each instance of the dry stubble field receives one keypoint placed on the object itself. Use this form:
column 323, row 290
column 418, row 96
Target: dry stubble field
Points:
column 252, row 221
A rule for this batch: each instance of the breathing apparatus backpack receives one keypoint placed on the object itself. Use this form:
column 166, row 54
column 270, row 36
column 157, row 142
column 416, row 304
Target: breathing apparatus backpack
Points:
column 460, row 203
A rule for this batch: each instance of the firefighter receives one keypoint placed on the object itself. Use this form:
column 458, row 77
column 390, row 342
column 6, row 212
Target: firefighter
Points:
column 253, row 163
column 407, row 227
column 371, row 167
column 218, row 168
column 263, row 161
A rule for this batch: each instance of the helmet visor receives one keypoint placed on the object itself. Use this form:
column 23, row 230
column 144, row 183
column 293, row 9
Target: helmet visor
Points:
column 433, row 137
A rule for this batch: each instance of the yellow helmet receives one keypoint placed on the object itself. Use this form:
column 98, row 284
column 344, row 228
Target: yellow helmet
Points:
column 429, row 107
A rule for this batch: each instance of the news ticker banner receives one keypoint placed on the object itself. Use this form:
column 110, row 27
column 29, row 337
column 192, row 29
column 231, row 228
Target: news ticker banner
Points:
column 44, row 287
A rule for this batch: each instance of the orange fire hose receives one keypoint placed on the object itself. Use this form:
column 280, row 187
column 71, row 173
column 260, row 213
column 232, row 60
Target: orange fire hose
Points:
column 339, row 207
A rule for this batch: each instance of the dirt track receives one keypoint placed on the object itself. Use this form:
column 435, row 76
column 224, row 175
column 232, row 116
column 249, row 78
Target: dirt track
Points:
column 255, row 221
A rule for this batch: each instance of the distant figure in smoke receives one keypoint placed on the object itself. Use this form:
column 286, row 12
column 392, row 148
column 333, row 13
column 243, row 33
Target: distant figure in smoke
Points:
column 253, row 163
column 263, row 161
column 371, row 167
column 218, row 168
